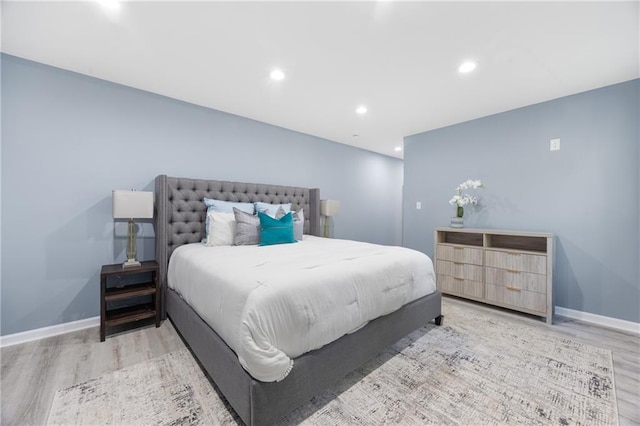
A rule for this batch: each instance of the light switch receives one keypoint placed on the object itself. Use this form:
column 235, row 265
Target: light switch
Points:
column 554, row 145
column 418, row 205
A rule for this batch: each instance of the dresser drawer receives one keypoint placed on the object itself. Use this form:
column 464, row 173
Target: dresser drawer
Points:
column 517, row 262
column 460, row 286
column 459, row 270
column 459, row 254
column 522, row 280
column 511, row 296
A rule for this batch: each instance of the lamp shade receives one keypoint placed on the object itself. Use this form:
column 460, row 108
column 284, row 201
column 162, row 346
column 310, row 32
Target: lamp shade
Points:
column 132, row 204
column 329, row 207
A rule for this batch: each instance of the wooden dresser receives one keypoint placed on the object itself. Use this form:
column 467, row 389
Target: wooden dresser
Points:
column 503, row 268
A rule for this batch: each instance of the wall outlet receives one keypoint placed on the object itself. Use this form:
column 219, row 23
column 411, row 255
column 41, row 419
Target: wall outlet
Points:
column 554, row 145
column 418, row 205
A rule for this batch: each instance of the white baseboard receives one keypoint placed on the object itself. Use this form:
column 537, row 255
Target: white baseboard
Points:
column 54, row 330
column 609, row 322
column 68, row 327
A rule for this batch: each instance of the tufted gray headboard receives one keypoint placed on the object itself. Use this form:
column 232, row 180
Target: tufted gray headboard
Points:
column 181, row 213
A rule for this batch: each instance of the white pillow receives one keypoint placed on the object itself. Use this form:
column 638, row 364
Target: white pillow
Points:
column 222, row 229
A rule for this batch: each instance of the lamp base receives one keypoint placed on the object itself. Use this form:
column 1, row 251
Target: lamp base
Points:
column 131, row 263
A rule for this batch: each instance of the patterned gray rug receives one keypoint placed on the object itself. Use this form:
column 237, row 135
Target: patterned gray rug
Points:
column 475, row 369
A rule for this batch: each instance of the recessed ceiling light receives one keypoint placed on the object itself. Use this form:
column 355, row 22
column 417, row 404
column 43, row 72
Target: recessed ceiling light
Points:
column 361, row 110
column 398, row 149
column 110, row 4
column 277, row 75
column 467, row 66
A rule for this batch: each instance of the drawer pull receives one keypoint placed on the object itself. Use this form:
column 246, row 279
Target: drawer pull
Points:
column 459, row 278
column 513, row 288
column 458, row 248
column 513, row 253
column 458, row 263
column 515, row 271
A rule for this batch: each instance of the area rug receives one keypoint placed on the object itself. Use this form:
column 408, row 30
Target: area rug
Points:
column 477, row 368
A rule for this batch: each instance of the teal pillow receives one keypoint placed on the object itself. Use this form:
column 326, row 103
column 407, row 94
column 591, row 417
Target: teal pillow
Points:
column 276, row 231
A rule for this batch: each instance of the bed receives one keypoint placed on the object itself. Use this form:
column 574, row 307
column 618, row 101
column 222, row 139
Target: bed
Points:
column 180, row 220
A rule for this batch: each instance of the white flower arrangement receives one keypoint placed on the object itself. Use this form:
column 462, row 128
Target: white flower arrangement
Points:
column 461, row 198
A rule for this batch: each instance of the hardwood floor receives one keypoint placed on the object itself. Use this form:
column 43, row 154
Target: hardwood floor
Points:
column 32, row 372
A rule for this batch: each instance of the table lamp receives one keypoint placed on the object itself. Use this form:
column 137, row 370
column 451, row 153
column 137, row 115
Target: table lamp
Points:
column 328, row 208
column 132, row 205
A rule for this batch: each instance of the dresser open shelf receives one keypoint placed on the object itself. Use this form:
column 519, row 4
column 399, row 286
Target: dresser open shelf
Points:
column 503, row 268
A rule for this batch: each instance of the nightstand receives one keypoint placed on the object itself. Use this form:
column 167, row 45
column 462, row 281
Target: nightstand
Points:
column 110, row 317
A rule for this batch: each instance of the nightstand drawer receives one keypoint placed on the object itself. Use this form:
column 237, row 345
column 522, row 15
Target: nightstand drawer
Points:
column 516, row 261
column 459, row 269
column 514, row 296
column 461, row 286
column 509, row 278
column 459, row 254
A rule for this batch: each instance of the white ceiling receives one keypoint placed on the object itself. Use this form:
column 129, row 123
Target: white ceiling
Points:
column 400, row 59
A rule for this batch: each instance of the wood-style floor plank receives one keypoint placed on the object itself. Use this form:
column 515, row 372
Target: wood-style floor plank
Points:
column 32, row 372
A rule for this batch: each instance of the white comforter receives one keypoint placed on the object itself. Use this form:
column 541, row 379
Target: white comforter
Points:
column 273, row 303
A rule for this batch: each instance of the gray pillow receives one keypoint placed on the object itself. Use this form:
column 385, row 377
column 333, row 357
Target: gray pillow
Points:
column 298, row 224
column 247, row 228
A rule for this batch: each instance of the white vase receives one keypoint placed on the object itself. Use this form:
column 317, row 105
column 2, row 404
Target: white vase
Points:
column 457, row 222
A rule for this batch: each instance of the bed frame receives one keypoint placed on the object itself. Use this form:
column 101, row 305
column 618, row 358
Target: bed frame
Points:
column 180, row 219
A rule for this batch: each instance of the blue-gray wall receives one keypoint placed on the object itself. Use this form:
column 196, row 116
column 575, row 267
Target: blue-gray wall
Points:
column 587, row 193
column 69, row 139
